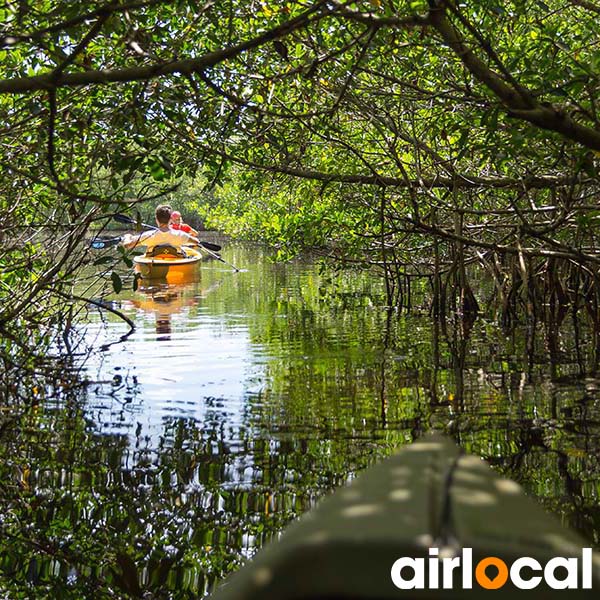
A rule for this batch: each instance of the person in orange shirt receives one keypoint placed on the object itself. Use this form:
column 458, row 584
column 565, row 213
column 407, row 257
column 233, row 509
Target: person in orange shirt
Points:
column 177, row 224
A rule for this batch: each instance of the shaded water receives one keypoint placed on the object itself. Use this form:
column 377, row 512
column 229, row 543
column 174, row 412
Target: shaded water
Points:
column 242, row 398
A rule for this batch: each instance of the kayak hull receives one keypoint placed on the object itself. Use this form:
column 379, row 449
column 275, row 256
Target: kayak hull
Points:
column 170, row 268
column 365, row 541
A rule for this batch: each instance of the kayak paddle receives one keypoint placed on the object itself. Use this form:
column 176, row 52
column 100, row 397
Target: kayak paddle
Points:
column 99, row 243
column 125, row 220
column 215, row 255
column 210, row 248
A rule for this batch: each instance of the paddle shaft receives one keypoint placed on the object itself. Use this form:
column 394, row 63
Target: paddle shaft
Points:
column 215, row 255
column 120, row 218
column 125, row 219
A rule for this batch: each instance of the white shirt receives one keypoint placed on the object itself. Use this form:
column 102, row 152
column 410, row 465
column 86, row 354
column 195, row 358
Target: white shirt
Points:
column 150, row 239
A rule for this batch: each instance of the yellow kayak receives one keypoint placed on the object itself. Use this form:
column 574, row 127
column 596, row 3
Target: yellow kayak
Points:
column 170, row 263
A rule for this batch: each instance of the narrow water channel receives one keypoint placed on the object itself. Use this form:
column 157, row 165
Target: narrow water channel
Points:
column 242, row 398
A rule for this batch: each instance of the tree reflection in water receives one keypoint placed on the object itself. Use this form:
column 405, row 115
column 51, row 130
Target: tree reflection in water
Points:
column 189, row 448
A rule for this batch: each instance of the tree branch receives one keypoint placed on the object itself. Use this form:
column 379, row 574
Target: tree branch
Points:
column 588, row 5
column 146, row 72
column 106, row 10
column 460, row 181
column 520, row 103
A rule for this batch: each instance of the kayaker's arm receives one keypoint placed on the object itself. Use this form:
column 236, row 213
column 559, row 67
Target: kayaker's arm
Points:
column 193, row 239
column 129, row 241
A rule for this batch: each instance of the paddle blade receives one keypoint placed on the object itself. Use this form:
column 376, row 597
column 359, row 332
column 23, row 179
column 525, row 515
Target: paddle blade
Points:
column 120, row 218
column 101, row 243
column 125, row 220
column 209, row 246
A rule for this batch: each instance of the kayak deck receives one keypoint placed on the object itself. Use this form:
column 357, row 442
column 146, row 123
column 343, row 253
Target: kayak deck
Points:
column 429, row 495
column 174, row 269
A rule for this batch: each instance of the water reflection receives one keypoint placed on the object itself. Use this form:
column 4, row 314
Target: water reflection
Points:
column 162, row 300
column 189, row 448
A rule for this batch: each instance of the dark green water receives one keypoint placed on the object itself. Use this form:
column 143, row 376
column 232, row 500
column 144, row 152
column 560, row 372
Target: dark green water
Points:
column 242, row 398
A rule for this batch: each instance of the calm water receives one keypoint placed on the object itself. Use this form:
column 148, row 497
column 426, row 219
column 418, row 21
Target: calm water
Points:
column 242, row 398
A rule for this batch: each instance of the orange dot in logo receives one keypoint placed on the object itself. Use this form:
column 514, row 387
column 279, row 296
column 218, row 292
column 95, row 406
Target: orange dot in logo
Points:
column 499, row 580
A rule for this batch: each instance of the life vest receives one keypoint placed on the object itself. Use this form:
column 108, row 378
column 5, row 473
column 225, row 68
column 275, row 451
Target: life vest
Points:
column 181, row 227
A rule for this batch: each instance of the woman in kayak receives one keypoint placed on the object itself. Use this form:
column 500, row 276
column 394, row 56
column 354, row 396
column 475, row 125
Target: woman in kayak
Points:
column 177, row 224
column 163, row 235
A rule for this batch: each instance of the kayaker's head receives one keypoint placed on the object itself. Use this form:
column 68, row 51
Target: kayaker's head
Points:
column 162, row 215
column 176, row 217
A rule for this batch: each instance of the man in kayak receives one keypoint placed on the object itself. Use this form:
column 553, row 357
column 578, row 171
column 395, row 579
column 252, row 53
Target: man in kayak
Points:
column 177, row 224
column 163, row 235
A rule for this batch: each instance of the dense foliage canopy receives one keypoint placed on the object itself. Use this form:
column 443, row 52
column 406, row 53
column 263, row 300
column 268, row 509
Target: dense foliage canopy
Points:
column 417, row 137
column 400, row 115
column 424, row 135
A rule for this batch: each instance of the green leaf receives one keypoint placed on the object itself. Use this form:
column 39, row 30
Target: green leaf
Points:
column 158, row 169
column 117, row 283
